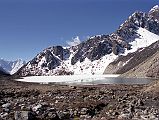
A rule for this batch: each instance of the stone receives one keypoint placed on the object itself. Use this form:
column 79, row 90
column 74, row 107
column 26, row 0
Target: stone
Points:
column 84, row 111
column 52, row 115
column 60, row 114
column 3, row 115
column 6, row 109
column 124, row 116
column 7, row 105
column 35, row 108
column 115, row 113
column 131, row 109
column 75, row 112
column 103, row 118
column 21, row 115
column 24, row 115
column 140, row 102
column 85, row 117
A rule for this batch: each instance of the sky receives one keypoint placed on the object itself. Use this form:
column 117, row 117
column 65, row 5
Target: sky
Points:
column 29, row 26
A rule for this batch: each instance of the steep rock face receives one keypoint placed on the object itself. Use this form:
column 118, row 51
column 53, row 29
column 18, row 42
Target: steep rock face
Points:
column 96, row 47
column 94, row 54
column 147, row 21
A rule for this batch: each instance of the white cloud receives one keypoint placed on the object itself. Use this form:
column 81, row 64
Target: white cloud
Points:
column 75, row 41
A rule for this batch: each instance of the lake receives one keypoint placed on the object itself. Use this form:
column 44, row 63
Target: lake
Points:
column 85, row 79
column 112, row 80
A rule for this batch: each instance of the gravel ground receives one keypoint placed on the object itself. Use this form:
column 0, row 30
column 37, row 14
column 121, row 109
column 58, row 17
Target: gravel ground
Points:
column 32, row 101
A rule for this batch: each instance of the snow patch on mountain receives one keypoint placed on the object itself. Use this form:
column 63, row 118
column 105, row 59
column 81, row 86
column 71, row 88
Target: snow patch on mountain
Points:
column 90, row 67
column 145, row 39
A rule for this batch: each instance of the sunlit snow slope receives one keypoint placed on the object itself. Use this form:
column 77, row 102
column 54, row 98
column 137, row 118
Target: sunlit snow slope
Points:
column 145, row 39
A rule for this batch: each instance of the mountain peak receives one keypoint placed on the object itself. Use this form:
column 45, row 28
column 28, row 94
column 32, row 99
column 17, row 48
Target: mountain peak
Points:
column 154, row 12
column 156, row 7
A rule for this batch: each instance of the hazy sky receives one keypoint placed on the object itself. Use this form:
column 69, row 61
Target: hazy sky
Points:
column 29, row 26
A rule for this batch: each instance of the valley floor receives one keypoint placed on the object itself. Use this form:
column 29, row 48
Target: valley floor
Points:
column 33, row 101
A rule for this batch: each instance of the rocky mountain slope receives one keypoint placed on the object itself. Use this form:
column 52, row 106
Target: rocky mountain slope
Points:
column 148, row 68
column 93, row 55
column 11, row 66
column 142, row 57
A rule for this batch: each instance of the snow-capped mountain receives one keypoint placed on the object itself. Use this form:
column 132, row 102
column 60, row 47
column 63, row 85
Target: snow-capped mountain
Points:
column 11, row 66
column 93, row 55
column 155, row 12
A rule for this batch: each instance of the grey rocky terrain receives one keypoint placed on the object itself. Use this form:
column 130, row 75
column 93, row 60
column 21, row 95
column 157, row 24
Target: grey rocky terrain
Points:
column 30, row 101
column 148, row 68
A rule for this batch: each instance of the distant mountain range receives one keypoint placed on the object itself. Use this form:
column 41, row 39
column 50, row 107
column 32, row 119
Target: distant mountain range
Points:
column 95, row 54
column 11, row 67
